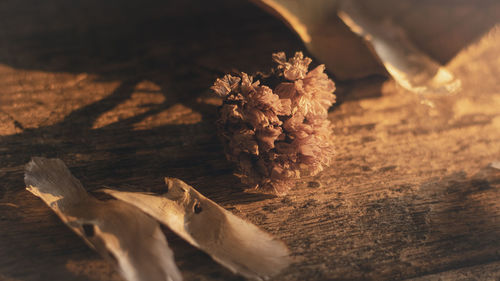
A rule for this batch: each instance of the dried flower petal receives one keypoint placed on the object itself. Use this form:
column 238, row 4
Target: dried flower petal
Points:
column 277, row 135
column 293, row 69
column 225, row 85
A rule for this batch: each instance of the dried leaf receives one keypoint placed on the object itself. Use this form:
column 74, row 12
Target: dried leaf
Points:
column 121, row 233
column 233, row 242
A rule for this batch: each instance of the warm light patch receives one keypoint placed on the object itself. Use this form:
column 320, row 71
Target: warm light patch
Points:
column 33, row 99
column 146, row 95
column 496, row 122
column 468, row 106
column 178, row 114
column 8, row 125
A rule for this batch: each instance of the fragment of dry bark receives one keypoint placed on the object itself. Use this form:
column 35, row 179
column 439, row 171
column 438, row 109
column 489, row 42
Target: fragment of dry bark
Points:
column 120, row 232
column 233, row 242
column 276, row 135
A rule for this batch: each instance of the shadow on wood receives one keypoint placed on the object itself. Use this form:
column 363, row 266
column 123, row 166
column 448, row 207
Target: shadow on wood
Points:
column 88, row 82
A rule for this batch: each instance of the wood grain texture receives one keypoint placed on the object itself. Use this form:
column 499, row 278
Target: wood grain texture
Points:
column 119, row 91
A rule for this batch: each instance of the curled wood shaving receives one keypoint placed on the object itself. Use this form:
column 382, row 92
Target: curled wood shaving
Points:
column 233, row 242
column 120, row 232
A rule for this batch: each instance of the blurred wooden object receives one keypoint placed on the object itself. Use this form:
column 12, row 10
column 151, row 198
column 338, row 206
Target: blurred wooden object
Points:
column 438, row 29
column 119, row 91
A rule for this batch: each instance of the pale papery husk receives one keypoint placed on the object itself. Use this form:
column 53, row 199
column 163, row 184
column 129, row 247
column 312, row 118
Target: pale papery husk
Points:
column 275, row 136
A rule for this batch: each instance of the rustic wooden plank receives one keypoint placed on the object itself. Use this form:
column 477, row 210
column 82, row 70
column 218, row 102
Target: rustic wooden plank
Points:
column 489, row 271
column 119, row 92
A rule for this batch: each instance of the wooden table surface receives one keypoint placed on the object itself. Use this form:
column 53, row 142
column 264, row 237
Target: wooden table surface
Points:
column 119, row 91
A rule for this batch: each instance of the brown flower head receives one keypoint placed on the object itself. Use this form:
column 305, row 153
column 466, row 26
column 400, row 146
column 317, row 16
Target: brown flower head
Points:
column 276, row 135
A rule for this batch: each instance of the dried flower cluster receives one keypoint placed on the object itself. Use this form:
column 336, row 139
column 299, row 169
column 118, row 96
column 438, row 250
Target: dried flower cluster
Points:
column 277, row 135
